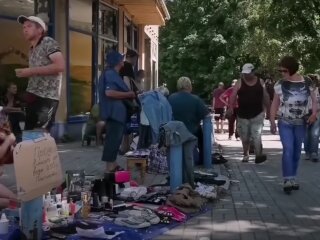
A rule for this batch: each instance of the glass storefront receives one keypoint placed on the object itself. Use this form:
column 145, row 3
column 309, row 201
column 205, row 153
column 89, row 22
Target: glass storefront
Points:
column 14, row 8
column 13, row 47
column 80, row 72
column 108, row 33
column 80, row 37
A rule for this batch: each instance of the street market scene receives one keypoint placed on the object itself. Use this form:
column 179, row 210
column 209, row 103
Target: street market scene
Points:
column 159, row 119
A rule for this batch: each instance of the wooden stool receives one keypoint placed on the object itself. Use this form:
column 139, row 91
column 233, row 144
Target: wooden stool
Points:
column 142, row 161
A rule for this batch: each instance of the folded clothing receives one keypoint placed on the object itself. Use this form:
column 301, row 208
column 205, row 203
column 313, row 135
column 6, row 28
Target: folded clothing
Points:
column 186, row 200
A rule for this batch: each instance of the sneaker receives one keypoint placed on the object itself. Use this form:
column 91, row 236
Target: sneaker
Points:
column 230, row 138
column 260, row 159
column 245, row 158
column 295, row 185
column 287, row 186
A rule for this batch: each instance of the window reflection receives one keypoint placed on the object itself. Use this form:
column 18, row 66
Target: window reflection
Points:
column 80, row 72
column 81, row 14
column 13, row 54
column 15, row 8
column 108, row 22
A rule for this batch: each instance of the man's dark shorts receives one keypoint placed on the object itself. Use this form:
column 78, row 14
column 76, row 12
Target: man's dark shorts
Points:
column 40, row 112
column 114, row 134
column 221, row 112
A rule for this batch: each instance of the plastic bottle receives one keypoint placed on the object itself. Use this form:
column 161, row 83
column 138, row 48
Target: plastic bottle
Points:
column 72, row 208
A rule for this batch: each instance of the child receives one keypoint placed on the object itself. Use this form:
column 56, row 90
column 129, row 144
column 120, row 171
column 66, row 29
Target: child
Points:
column 7, row 141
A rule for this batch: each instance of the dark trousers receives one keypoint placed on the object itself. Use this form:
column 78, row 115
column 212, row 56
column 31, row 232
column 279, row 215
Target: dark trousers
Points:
column 231, row 124
column 40, row 113
column 199, row 135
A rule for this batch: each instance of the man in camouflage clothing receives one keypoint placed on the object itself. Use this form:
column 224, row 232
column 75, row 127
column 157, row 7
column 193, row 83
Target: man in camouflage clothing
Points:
column 46, row 65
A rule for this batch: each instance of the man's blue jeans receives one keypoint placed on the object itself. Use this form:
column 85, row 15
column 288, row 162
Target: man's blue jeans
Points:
column 291, row 137
column 311, row 141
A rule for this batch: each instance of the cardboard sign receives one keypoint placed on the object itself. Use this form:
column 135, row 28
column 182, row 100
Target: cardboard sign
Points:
column 37, row 167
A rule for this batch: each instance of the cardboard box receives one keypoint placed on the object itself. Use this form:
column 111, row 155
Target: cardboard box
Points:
column 37, row 167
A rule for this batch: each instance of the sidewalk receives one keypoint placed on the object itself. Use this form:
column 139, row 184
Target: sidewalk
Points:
column 255, row 209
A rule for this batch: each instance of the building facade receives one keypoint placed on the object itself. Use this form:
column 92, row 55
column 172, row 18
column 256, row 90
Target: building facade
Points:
column 86, row 30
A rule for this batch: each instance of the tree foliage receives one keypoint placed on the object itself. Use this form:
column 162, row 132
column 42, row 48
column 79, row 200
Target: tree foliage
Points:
column 209, row 40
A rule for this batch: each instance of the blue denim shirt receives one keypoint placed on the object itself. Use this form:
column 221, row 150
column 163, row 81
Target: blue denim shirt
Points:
column 111, row 108
column 157, row 109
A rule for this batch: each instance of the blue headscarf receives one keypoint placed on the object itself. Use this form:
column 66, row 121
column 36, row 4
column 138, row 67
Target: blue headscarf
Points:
column 113, row 58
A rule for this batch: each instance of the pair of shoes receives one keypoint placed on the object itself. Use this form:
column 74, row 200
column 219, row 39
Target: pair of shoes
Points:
column 217, row 158
column 295, row 185
column 145, row 213
column 245, row 158
column 132, row 222
column 289, row 185
column 260, row 159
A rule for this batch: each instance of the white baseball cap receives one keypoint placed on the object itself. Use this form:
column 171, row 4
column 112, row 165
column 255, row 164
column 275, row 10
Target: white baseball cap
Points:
column 247, row 68
column 21, row 19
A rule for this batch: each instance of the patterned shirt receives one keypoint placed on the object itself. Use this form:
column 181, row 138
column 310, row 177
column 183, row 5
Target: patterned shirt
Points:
column 293, row 99
column 44, row 86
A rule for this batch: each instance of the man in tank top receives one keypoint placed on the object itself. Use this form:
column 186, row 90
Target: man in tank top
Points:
column 253, row 102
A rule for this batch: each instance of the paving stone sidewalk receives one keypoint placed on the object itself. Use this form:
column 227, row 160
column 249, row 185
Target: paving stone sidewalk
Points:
column 255, row 208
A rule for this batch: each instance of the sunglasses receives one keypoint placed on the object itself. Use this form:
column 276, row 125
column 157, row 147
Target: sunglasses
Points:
column 282, row 71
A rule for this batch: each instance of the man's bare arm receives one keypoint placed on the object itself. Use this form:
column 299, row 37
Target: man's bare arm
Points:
column 119, row 95
column 57, row 66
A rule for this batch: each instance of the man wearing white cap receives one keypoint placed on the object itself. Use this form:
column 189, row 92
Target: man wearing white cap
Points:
column 46, row 65
column 253, row 100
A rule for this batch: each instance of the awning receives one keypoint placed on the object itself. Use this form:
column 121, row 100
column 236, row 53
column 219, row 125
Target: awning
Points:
column 146, row 12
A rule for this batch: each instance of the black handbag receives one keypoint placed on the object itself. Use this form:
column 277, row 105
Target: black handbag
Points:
column 132, row 106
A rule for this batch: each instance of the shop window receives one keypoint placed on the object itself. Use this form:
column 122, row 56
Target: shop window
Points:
column 15, row 8
column 135, row 38
column 108, row 33
column 130, row 35
column 104, row 47
column 80, row 13
column 13, row 47
column 80, row 72
column 13, row 54
column 108, row 22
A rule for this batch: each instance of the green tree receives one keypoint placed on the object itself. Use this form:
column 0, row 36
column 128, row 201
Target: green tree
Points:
column 209, row 40
column 201, row 41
